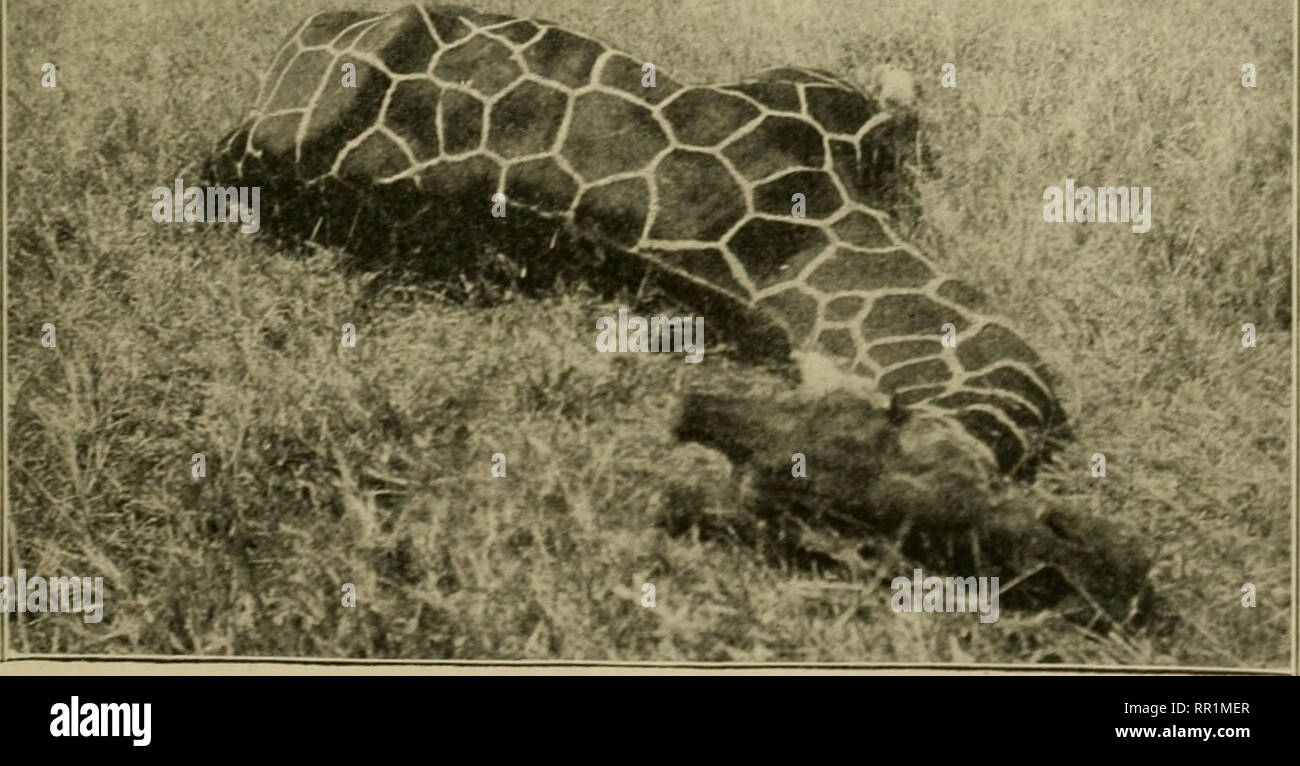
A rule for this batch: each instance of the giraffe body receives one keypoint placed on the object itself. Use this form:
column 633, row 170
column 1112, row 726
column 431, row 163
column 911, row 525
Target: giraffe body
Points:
column 699, row 183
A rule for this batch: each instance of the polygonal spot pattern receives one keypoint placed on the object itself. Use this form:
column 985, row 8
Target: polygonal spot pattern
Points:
column 466, row 183
column 609, row 134
column 777, row 96
column 274, row 137
column 770, row 250
column 541, row 184
column 1008, row 379
column 838, row 342
column 401, row 41
column 350, row 34
column 526, row 120
column 326, row 26
column 300, row 80
column 706, row 117
column 706, row 264
column 889, row 354
column 376, row 157
column 908, row 397
column 462, row 122
column 698, row 198
column 922, row 373
column 862, row 230
column 620, row 166
column 481, row 64
column 796, row 310
column 777, row 143
column 844, row 161
column 838, row 110
column 870, row 271
column 821, row 198
column 624, row 73
column 483, row 19
column 340, row 115
column 963, row 295
column 412, row 114
column 991, row 343
column 615, row 211
column 911, row 314
column 519, row 31
column 1016, row 411
column 563, row 57
column 991, row 431
column 843, row 307
column 791, row 74
column 449, row 26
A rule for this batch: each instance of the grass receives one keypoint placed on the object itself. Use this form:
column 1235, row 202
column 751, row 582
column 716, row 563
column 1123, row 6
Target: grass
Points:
column 372, row 465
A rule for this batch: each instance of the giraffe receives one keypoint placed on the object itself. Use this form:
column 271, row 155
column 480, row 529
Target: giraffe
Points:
column 757, row 201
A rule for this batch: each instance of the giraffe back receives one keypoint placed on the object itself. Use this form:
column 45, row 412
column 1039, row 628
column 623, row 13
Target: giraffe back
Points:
column 756, row 195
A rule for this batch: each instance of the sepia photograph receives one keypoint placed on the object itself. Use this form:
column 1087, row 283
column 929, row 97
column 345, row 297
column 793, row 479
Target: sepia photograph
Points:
column 911, row 336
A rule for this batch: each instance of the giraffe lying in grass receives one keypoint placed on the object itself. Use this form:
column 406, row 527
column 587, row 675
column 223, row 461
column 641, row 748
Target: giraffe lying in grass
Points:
column 752, row 203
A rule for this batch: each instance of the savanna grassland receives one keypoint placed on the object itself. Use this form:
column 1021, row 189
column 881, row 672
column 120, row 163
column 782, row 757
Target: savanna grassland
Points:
column 371, row 465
